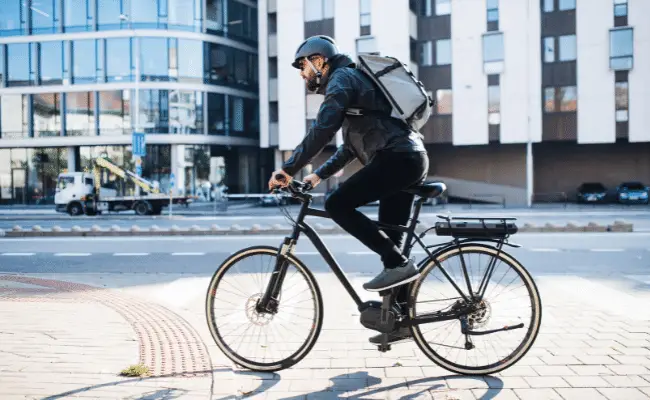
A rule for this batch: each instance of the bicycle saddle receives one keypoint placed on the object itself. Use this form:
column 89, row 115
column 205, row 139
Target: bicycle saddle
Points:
column 427, row 189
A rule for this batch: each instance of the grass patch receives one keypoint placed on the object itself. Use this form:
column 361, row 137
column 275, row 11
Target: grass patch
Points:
column 135, row 370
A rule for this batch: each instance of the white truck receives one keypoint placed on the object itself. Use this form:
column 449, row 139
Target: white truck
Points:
column 80, row 193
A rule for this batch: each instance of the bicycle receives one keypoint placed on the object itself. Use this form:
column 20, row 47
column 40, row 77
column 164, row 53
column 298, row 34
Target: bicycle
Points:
column 470, row 309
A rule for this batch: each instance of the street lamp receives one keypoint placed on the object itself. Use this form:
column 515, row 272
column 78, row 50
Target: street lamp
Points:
column 136, row 154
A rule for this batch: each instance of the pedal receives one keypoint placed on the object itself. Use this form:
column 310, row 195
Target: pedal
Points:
column 384, row 346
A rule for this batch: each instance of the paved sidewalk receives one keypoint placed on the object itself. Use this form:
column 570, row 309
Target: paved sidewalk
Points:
column 63, row 340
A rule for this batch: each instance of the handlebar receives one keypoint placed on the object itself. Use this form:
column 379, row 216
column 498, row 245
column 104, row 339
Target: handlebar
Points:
column 296, row 187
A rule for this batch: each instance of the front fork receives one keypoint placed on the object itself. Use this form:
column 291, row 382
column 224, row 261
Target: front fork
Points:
column 270, row 299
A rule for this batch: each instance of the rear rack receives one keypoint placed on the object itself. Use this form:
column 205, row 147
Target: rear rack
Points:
column 479, row 228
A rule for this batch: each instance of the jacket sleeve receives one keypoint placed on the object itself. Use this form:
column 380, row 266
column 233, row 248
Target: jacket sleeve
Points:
column 340, row 159
column 330, row 118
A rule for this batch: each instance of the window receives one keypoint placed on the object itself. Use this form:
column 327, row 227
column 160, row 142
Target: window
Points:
column 426, row 8
column 144, row 13
column 80, row 114
column 236, row 113
column 19, row 64
column 567, row 48
column 549, row 5
column 185, row 112
column 620, row 8
column 562, row 48
column 549, row 49
column 12, row 18
column 443, row 7
column 84, row 55
column 13, row 116
column 51, row 63
column 494, row 105
column 154, row 111
column 622, row 99
column 216, row 114
column 560, row 99
column 621, row 49
column 214, row 15
column 154, row 59
column 77, row 15
column 44, row 15
column 190, row 60
column 443, row 52
column 118, row 59
column 47, row 114
column 493, row 53
column 426, row 53
column 115, row 112
column 366, row 45
column 443, row 101
column 316, row 10
column 564, row 5
column 364, row 16
column 492, row 14
column 181, row 14
column 108, row 14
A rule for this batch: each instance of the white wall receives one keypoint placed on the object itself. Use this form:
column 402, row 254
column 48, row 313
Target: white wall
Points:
column 346, row 25
column 263, row 72
column 519, row 20
column 291, row 32
column 596, row 103
column 391, row 24
column 469, row 83
column 639, row 77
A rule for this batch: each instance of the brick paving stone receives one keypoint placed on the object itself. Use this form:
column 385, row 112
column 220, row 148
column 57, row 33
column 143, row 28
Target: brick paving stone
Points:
column 499, row 394
column 546, row 381
column 597, row 360
column 537, row 394
column 560, row 360
column 512, row 382
column 580, row 394
column 453, row 394
column 623, row 394
column 590, row 370
column 626, row 381
column 629, row 369
column 586, row 381
column 554, row 370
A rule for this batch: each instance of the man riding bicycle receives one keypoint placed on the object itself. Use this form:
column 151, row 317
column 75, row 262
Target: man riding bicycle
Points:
column 393, row 155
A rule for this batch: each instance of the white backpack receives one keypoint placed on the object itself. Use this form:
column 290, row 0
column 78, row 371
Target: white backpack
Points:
column 411, row 103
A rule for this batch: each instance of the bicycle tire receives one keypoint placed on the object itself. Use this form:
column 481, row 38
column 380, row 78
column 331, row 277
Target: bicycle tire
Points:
column 214, row 330
column 533, row 329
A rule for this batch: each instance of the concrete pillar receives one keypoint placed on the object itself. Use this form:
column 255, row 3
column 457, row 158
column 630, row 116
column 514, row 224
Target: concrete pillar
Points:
column 72, row 160
column 529, row 173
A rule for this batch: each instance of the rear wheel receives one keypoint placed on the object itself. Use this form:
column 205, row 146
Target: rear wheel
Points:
column 141, row 208
column 263, row 341
column 511, row 297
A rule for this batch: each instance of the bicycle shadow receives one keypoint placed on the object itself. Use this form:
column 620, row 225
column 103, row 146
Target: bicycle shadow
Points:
column 163, row 393
column 358, row 381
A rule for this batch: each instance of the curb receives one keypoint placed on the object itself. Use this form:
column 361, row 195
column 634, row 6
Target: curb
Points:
column 256, row 229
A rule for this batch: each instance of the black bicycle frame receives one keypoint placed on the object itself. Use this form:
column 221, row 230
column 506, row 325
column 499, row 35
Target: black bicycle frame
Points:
column 268, row 302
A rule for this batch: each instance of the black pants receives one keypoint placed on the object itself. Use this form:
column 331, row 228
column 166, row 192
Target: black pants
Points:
column 382, row 179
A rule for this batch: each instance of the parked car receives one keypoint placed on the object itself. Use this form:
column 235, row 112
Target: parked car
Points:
column 632, row 192
column 273, row 200
column 591, row 192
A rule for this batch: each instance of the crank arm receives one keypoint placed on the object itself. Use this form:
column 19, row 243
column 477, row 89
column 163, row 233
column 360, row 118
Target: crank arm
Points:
column 505, row 328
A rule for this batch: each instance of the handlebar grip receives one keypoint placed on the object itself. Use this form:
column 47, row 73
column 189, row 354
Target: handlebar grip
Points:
column 280, row 177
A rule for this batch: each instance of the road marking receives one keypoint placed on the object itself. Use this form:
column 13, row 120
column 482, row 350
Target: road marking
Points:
column 361, row 253
column 71, row 254
column 545, row 250
column 306, row 253
column 130, row 254
column 188, row 254
column 605, row 250
column 17, row 254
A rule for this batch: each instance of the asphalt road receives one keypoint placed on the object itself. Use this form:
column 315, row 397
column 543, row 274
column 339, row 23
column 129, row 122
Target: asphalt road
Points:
column 621, row 258
column 247, row 216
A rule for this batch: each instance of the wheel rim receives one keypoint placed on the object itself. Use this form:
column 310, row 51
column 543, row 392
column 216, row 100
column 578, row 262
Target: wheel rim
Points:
column 498, row 350
column 256, row 340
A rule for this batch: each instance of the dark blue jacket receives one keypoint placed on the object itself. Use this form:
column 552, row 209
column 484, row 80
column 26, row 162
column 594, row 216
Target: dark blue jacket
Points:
column 347, row 87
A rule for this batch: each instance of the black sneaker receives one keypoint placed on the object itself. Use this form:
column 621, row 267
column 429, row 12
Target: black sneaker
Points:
column 393, row 277
column 402, row 334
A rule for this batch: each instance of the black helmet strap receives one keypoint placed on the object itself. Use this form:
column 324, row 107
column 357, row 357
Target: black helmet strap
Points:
column 318, row 73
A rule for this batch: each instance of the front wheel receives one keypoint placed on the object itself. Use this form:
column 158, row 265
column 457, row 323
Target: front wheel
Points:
column 511, row 299
column 263, row 341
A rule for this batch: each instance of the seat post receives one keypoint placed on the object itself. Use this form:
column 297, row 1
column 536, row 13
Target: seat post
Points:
column 414, row 222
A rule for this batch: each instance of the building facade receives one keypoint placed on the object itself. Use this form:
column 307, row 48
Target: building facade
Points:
column 533, row 97
column 69, row 71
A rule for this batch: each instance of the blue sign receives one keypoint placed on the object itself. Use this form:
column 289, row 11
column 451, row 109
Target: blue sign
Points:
column 138, row 170
column 139, row 147
column 172, row 180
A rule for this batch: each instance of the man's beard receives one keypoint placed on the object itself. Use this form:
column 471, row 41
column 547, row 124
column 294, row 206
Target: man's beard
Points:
column 312, row 84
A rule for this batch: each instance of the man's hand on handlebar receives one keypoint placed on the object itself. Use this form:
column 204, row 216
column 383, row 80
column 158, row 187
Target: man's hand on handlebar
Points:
column 279, row 179
column 313, row 180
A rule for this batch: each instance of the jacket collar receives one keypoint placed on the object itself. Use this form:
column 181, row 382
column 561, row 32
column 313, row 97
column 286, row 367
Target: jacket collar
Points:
column 336, row 62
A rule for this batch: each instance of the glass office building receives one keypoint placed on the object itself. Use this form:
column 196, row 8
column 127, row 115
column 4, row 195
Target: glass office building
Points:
column 69, row 70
